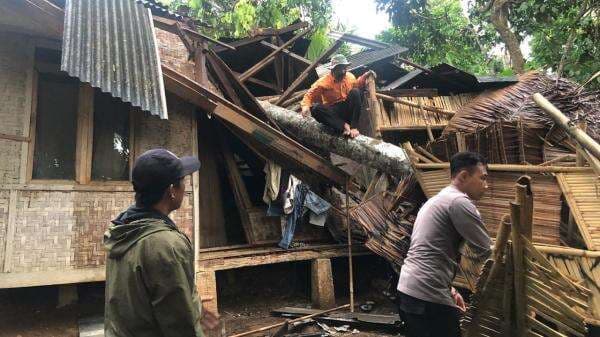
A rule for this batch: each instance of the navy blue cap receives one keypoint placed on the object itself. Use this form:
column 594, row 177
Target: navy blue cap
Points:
column 156, row 169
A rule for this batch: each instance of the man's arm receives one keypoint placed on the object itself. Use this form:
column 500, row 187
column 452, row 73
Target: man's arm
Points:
column 468, row 224
column 169, row 276
column 311, row 96
column 362, row 79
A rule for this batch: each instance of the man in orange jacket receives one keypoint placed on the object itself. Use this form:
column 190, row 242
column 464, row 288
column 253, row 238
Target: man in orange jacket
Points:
column 335, row 99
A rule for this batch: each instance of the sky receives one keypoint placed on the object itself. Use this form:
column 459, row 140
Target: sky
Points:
column 360, row 16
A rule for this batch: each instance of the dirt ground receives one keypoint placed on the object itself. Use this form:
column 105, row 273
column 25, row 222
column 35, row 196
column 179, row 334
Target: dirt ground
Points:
column 32, row 312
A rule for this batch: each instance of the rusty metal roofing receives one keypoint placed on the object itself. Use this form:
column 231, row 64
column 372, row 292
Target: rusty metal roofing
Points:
column 111, row 45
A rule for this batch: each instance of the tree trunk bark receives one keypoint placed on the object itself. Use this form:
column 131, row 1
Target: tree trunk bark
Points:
column 365, row 150
column 499, row 19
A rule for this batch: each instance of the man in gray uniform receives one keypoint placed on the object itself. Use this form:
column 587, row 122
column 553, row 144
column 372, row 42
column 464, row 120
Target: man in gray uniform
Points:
column 429, row 304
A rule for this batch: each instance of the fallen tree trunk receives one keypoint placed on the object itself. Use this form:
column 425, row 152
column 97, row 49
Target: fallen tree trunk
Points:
column 364, row 150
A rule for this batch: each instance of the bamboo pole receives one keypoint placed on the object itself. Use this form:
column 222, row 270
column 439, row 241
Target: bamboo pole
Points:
column 520, row 299
column 299, row 319
column 349, row 233
column 567, row 251
column 512, row 168
column 563, row 121
column 559, row 159
column 428, row 154
column 415, row 105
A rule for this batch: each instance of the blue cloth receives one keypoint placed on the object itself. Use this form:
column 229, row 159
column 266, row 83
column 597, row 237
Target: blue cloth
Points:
column 275, row 209
column 292, row 218
column 318, row 208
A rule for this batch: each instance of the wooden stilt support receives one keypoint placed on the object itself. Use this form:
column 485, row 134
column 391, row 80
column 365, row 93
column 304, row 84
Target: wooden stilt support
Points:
column 206, row 285
column 322, row 292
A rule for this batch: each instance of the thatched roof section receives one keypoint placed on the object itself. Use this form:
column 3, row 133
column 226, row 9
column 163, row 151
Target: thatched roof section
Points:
column 515, row 101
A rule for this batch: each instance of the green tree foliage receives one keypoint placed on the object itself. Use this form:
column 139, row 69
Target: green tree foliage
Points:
column 567, row 30
column 237, row 18
column 438, row 31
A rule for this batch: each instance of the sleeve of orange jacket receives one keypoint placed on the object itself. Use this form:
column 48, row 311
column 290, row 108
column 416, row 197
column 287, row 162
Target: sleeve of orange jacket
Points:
column 313, row 95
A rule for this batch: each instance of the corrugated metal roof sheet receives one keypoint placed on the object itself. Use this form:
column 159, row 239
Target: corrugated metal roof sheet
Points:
column 365, row 58
column 159, row 9
column 111, row 45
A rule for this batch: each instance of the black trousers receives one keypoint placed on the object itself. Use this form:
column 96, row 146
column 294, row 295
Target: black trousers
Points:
column 335, row 116
column 427, row 319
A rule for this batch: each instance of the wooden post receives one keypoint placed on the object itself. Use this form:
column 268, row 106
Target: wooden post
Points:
column 374, row 111
column 322, row 292
column 300, row 79
column 207, row 290
column 521, row 211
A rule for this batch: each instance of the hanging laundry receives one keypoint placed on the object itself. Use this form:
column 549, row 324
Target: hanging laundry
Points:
column 297, row 210
column 272, row 179
column 318, row 208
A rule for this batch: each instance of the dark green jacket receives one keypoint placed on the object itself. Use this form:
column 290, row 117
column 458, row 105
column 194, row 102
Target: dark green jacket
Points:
column 150, row 288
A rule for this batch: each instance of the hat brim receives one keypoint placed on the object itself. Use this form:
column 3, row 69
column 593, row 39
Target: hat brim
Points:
column 340, row 64
column 190, row 165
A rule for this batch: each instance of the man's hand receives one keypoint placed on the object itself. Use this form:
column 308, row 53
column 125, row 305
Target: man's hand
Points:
column 209, row 320
column 460, row 302
column 372, row 73
column 354, row 133
column 305, row 111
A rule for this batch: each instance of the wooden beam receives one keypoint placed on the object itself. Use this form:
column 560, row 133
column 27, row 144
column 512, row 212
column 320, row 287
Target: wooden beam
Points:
column 369, row 43
column 425, row 92
column 14, row 137
column 53, row 277
column 513, row 168
column 240, row 192
column 275, row 31
column 262, row 83
column 291, row 54
column 300, row 79
column 222, row 81
column 412, row 64
column 85, row 134
column 10, row 231
column 257, row 67
column 251, row 125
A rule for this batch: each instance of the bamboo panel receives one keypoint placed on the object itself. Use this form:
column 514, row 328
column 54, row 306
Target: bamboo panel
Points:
column 494, row 204
column 401, row 115
column 582, row 193
column 388, row 235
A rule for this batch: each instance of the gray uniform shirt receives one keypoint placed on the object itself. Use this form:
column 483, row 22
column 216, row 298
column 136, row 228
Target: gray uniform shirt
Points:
column 442, row 224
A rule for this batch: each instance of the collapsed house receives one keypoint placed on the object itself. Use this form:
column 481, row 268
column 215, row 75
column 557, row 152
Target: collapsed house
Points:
column 78, row 109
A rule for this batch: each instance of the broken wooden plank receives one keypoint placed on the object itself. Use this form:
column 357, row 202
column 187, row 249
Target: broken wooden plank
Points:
column 291, row 54
column 257, row 67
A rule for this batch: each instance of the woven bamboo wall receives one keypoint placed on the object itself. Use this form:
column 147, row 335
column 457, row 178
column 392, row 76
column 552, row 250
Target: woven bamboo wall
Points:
column 400, row 115
column 494, row 204
column 54, row 227
column 16, row 59
column 59, row 230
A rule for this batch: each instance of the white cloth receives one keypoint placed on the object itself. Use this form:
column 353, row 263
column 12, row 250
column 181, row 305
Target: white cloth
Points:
column 272, row 177
column 288, row 200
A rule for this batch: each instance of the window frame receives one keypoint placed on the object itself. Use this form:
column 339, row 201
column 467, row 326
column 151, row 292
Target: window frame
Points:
column 84, row 137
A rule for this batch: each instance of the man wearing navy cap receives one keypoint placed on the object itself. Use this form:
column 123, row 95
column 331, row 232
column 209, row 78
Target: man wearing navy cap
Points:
column 150, row 288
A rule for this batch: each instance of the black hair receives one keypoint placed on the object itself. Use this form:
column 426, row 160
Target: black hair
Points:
column 151, row 197
column 465, row 160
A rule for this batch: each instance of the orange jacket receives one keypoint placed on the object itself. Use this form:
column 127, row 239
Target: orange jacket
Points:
column 328, row 92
